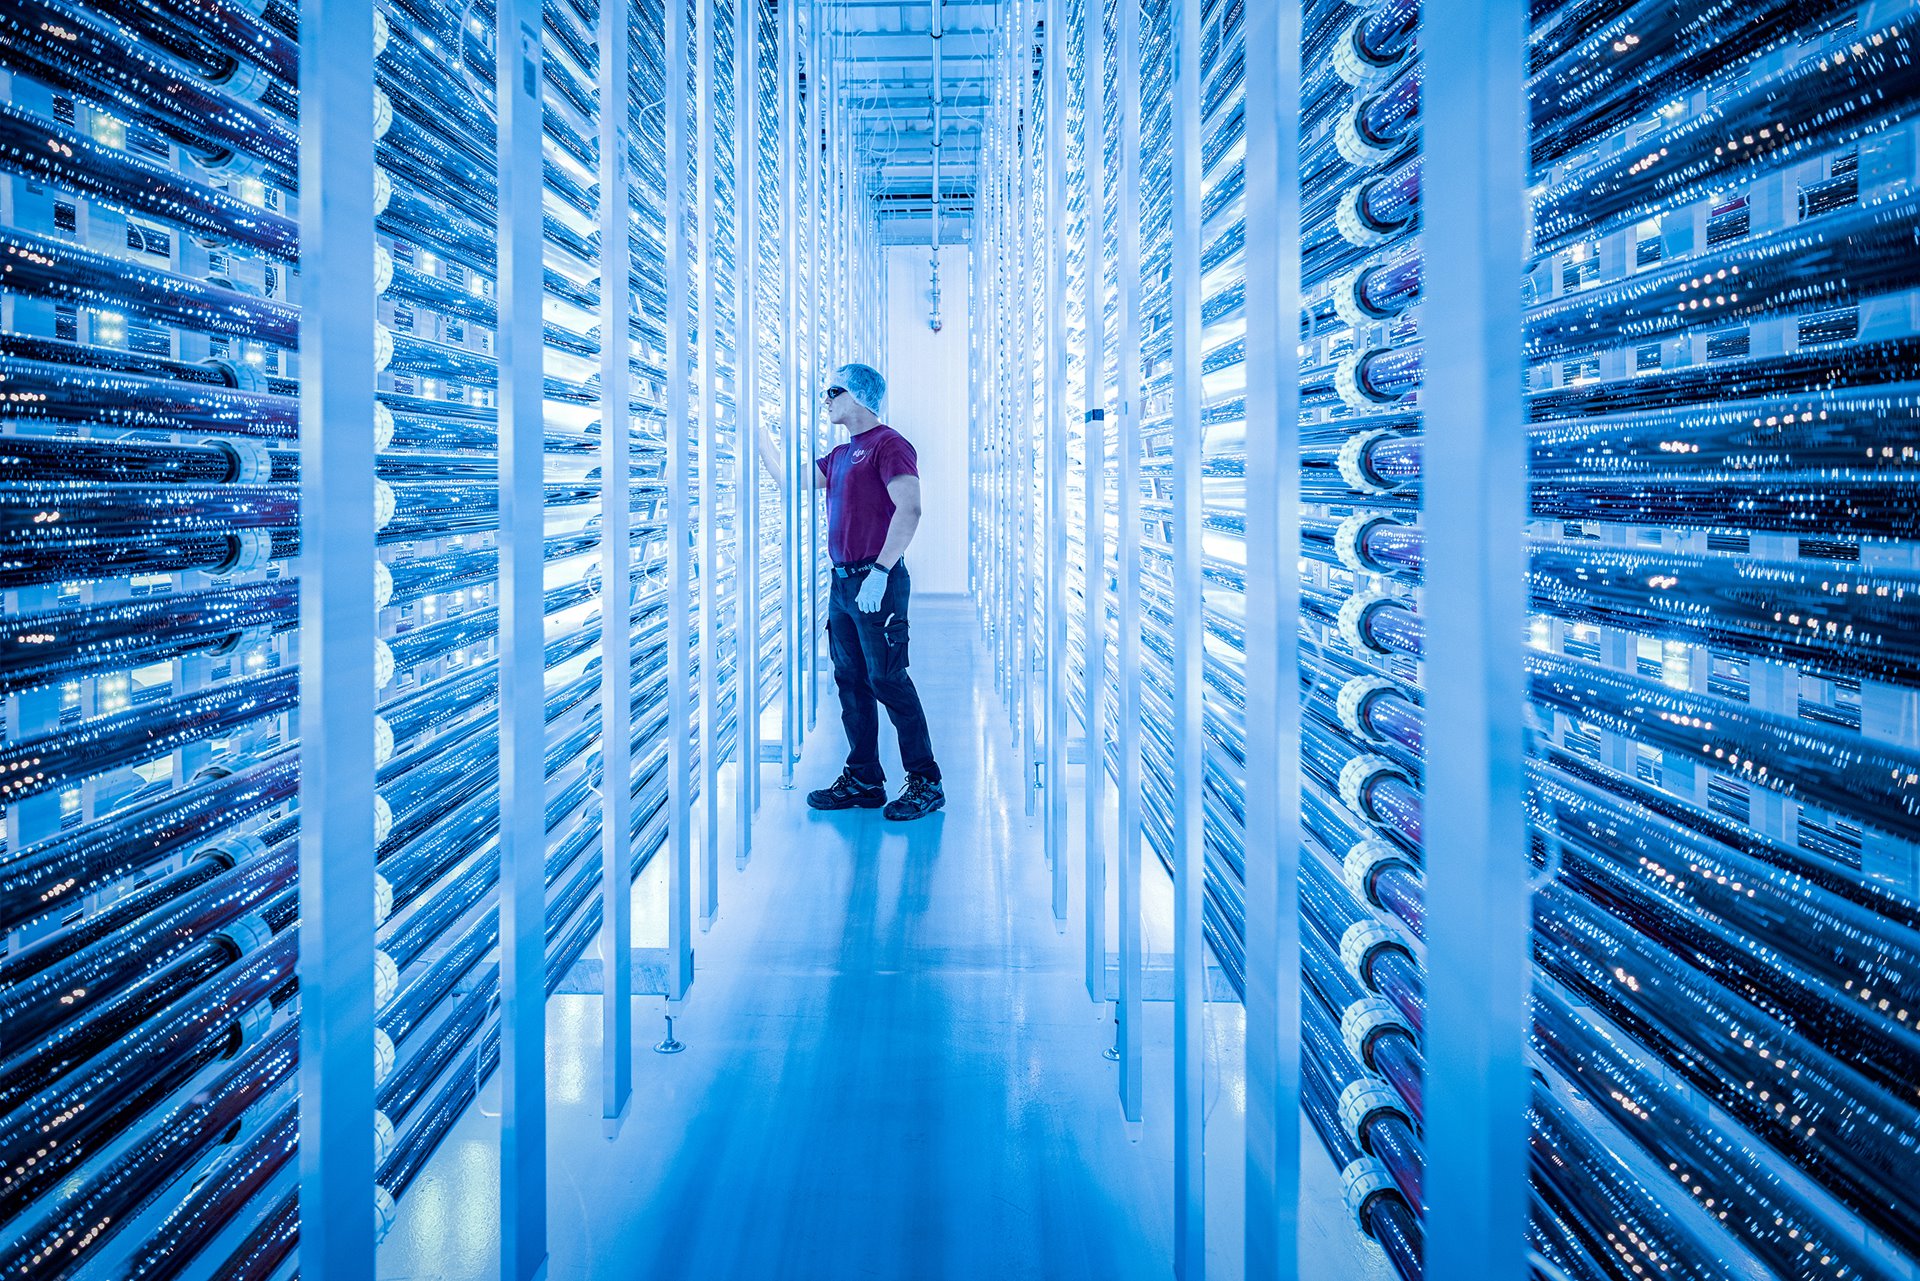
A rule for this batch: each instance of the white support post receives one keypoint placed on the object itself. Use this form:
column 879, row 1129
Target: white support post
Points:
column 616, row 570
column 1475, row 516
column 679, row 527
column 336, row 291
column 522, row 663
column 1094, row 712
column 1127, row 784
column 1022, row 577
column 1056, row 521
column 1272, row 645
column 817, row 356
column 707, row 574
column 1189, row 607
column 796, row 488
column 746, row 417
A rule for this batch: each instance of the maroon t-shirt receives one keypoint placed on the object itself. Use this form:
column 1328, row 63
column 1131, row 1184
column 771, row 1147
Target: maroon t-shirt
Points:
column 859, row 508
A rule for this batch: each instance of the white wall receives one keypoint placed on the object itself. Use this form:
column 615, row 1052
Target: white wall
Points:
column 927, row 403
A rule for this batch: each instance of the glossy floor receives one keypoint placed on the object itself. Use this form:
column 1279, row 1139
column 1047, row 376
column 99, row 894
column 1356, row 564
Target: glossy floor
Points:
column 893, row 1069
column 892, row 1066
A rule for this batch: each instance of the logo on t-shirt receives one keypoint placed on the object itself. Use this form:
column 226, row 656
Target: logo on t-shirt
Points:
column 860, row 455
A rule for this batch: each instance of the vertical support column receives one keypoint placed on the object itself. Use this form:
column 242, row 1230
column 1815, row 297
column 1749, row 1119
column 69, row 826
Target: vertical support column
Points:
column 797, row 487
column 1189, row 604
column 1273, row 644
column 1023, row 576
column 1475, row 518
column 1127, row 278
column 707, row 571
column 616, row 570
column 336, row 638
column 746, row 415
column 1056, row 521
column 1094, row 355
column 522, row 664
column 679, row 477
column 816, row 329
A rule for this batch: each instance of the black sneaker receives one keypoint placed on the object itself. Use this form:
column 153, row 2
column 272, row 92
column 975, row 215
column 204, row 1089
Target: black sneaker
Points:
column 849, row 793
column 921, row 797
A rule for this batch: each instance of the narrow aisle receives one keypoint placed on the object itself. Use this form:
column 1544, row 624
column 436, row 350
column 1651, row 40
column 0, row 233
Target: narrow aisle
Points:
column 892, row 1066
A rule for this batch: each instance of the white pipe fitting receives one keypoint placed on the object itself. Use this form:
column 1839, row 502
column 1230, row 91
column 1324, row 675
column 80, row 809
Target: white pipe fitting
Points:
column 1365, row 940
column 1353, row 700
column 1367, row 858
column 1360, row 1183
column 246, row 936
column 1352, row 461
column 1357, row 778
column 1365, row 1022
column 1351, row 621
column 1361, row 1103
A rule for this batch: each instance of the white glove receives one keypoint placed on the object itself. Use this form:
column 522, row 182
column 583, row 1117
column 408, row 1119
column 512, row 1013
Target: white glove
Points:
column 873, row 588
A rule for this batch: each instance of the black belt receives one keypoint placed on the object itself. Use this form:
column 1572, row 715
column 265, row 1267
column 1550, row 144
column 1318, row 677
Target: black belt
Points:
column 854, row 568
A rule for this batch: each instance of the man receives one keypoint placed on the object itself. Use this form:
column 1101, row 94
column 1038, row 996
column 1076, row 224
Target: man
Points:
column 873, row 508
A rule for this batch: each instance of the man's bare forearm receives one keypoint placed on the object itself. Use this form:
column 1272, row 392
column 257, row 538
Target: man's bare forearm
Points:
column 900, row 531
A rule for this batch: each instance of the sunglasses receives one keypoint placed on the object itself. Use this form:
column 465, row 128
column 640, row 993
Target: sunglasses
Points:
column 835, row 391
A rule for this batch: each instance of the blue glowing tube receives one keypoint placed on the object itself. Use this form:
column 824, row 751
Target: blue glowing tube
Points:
column 23, row 966
column 56, row 43
column 62, row 644
column 96, row 461
column 49, row 152
column 1824, row 101
column 31, row 766
column 245, row 1173
column 54, row 531
column 1613, row 1204
column 1838, row 1127
column 148, row 21
column 38, row 1063
column 69, row 387
column 117, row 1193
column 66, row 273
column 87, row 1109
column 1828, row 430
column 1764, row 1211
column 117, row 360
column 1845, row 772
column 259, row 1256
column 51, row 874
column 1673, row 818
column 1834, row 261
column 1840, row 619
column 59, row 993
column 412, row 869
column 1589, row 78
column 235, row 28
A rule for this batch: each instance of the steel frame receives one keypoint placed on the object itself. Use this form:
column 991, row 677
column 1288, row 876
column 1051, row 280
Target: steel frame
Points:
column 1272, row 1003
column 522, row 662
column 1477, row 963
column 616, row 569
column 337, row 630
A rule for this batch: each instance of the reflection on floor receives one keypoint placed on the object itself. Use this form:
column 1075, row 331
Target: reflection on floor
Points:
column 892, row 1069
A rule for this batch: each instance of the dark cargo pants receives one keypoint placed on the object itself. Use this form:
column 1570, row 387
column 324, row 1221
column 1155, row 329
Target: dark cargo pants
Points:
column 870, row 665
